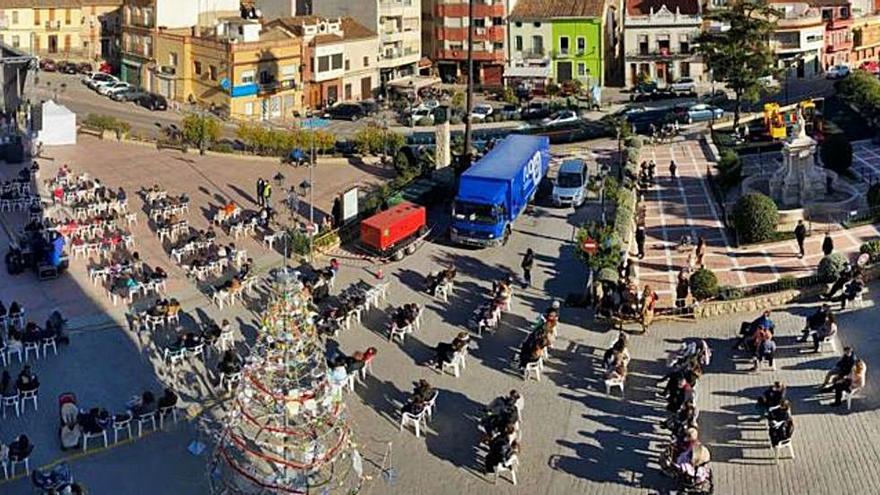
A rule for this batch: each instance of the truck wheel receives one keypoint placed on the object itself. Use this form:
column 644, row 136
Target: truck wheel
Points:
column 398, row 255
column 410, row 249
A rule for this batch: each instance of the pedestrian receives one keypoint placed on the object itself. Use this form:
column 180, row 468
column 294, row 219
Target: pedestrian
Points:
column 640, row 240
column 700, row 250
column 800, row 235
column 672, row 168
column 652, row 170
column 828, row 244
column 267, row 195
column 261, row 185
column 528, row 262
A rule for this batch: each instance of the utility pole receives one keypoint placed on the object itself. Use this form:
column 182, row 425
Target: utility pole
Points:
column 469, row 103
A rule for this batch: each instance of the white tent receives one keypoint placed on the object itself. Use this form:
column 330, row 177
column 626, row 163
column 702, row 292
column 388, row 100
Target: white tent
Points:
column 59, row 125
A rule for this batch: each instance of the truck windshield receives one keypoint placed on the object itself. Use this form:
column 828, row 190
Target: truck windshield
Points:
column 569, row 180
column 474, row 212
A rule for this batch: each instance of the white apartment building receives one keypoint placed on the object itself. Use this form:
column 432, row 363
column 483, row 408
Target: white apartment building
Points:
column 659, row 40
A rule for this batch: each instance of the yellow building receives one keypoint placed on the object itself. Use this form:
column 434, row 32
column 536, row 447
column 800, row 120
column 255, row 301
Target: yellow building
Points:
column 238, row 67
column 62, row 29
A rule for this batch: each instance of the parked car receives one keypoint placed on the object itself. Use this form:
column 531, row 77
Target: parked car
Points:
column 370, row 107
column 702, row 112
column 345, row 111
column 536, row 110
column 561, row 117
column 509, row 112
column 66, row 67
column 480, row 112
column 837, row 72
column 419, row 114
column 97, row 85
column 152, row 101
column 99, row 78
column 570, row 186
column 128, row 94
column 48, row 65
column 107, row 89
column 84, row 67
column 685, row 85
column 870, row 66
column 643, row 90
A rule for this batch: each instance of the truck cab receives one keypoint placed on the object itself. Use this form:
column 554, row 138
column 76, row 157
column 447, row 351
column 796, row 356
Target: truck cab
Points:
column 570, row 186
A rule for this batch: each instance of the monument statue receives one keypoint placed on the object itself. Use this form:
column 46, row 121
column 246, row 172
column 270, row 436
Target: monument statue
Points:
column 801, row 179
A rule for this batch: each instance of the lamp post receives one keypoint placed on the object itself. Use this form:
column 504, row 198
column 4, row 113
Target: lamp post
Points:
column 469, row 102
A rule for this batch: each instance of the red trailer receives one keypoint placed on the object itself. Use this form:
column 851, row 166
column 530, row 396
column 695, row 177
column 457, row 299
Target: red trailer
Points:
column 394, row 232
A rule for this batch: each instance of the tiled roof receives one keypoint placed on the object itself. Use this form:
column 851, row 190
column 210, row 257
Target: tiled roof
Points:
column 351, row 29
column 644, row 7
column 354, row 30
column 54, row 4
column 554, row 9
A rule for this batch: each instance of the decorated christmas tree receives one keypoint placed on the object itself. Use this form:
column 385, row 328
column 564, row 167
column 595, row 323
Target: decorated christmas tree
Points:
column 286, row 432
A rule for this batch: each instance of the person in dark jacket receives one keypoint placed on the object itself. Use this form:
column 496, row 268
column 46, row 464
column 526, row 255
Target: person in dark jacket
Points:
column 800, row 235
column 772, row 397
column 640, row 241
column 528, row 262
column 842, row 368
column 827, row 244
column 261, row 186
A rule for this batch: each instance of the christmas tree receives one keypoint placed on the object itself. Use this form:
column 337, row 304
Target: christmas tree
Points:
column 287, row 432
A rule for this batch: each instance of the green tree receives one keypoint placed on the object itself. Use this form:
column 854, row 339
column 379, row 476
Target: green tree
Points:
column 836, row 153
column 509, row 95
column 704, row 284
column 729, row 169
column 755, row 216
column 741, row 55
column 458, row 100
column 552, row 90
column 200, row 130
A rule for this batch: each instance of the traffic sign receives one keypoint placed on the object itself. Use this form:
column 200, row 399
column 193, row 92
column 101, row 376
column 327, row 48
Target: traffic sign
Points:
column 589, row 246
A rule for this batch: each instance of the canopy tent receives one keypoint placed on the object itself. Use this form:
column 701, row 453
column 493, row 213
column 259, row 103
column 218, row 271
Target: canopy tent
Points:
column 413, row 82
column 58, row 125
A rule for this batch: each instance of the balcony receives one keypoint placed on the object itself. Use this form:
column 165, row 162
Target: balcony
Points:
column 494, row 34
column 840, row 23
column 481, row 56
column 841, row 46
column 661, row 55
column 53, row 25
column 272, row 87
column 532, row 55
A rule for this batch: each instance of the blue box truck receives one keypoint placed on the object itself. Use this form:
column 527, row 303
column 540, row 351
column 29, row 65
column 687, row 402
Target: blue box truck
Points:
column 495, row 191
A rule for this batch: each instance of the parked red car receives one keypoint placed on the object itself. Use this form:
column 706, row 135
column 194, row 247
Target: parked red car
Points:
column 871, row 66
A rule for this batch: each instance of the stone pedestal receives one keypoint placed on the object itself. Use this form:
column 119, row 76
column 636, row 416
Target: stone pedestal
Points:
column 800, row 180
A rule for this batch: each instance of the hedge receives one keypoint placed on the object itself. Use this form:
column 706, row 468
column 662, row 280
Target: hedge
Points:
column 755, row 217
column 106, row 123
column 704, row 284
column 831, row 266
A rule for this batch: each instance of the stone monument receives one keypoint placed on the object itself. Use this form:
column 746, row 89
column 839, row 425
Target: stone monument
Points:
column 800, row 180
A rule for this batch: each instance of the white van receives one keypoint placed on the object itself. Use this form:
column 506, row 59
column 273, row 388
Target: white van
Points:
column 570, row 186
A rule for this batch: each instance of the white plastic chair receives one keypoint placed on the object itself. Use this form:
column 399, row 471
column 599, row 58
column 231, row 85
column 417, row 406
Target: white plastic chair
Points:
column 230, row 380
column 398, row 332
column 87, row 436
column 26, row 461
column 533, row 369
column 457, row 361
column 415, row 420
column 785, row 444
column 612, row 383
column 29, row 395
column 119, row 425
column 143, row 418
column 431, row 404
column 32, row 346
column 167, row 411
column 507, row 467
column 47, row 343
column 13, row 401
column 174, row 356
column 828, row 341
column 853, row 394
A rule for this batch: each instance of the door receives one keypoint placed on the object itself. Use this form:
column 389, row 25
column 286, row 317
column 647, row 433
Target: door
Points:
column 563, row 71
column 165, row 87
column 366, row 88
column 53, row 43
column 275, row 107
column 662, row 72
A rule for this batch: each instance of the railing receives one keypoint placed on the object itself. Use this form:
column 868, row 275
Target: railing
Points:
column 275, row 86
column 53, row 25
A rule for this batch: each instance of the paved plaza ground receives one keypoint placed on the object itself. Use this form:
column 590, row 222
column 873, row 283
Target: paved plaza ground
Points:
column 685, row 206
column 576, row 439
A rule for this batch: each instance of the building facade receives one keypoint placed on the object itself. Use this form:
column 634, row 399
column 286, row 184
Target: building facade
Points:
column 141, row 20
column 340, row 59
column 866, row 39
column 659, row 39
column 445, row 38
column 236, row 68
column 799, row 39
column 77, row 30
column 838, row 19
column 397, row 22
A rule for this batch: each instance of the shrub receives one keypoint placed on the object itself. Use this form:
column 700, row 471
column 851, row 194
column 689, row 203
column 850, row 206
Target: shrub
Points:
column 374, row 140
column 405, row 169
column 871, row 248
column 106, row 123
column 509, row 95
column 222, row 148
column 755, row 217
column 704, row 284
column 831, row 266
column 425, row 122
column 198, row 129
column 458, row 99
column 729, row 170
column 455, row 120
column 728, row 293
column 633, row 141
column 874, row 195
column 299, row 242
column 787, row 282
column 836, row 153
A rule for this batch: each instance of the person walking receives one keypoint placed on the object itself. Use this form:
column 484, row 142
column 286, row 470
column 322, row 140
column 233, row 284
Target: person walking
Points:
column 267, row 195
column 640, row 240
column 800, row 235
column 673, row 168
column 261, row 185
column 528, row 262
column 828, row 244
column 700, row 251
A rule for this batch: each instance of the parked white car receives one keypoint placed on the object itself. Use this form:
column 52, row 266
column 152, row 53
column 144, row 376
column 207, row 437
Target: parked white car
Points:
column 685, row 85
column 99, row 78
column 110, row 88
column 561, row 117
column 837, row 72
column 481, row 111
column 419, row 114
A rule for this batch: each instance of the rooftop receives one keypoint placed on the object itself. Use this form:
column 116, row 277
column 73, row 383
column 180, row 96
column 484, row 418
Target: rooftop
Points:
column 645, row 7
column 350, row 28
column 556, row 9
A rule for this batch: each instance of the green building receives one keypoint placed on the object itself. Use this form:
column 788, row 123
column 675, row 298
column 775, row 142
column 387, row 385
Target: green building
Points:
column 574, row 39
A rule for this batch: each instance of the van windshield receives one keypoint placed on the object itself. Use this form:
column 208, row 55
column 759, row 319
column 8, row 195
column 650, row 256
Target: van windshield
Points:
column 569, row 180
column 475, row 212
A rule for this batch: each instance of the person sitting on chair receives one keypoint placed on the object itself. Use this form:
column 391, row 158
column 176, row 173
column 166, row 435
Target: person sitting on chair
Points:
column 230, row 363
column 748, row 328
column 849, row 383
column 500, row 453
column 168, row 399
column 842, row 368
column 143, row 404
column 771, row 397
column 780, row 423
column 852, row 290
column 445, row 352
column 826, row 331
column 20, row 449
column 815, row 321
column 27, row 380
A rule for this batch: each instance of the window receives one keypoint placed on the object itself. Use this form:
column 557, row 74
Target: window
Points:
column 172, row 59
column 67, row 16
column 36, row 17
column 826, row 14
column 581, row 44
column 643, row 44
column 249, row 108
column 685, row 69
column 480, row 22
column 197, row 68
column 517, row 24
column 844, row 13
column 497, row 21
column 16, row 41
column 498, row 47
column 289, row 71
column 538, row 45
column 366, row 61
column 563, row 45
column 213, row 71
column 536, row 24
column 247, row 77
column 337, row 61
column 348, row 91
column 518, row 43
column 15, row 17
column 347, row 64
column 324, row 63
column 66, row 42
column 582, row 69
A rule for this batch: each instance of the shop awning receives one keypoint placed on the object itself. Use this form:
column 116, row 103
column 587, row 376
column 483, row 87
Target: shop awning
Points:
column 527, row 72
column 414, row 82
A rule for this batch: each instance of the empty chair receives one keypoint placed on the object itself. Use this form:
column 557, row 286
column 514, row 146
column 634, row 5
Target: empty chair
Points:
column 414, row 420
column 13, row 401
column 87, row 436
column 29, row 395
column 143, row 419
column 121, row 422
